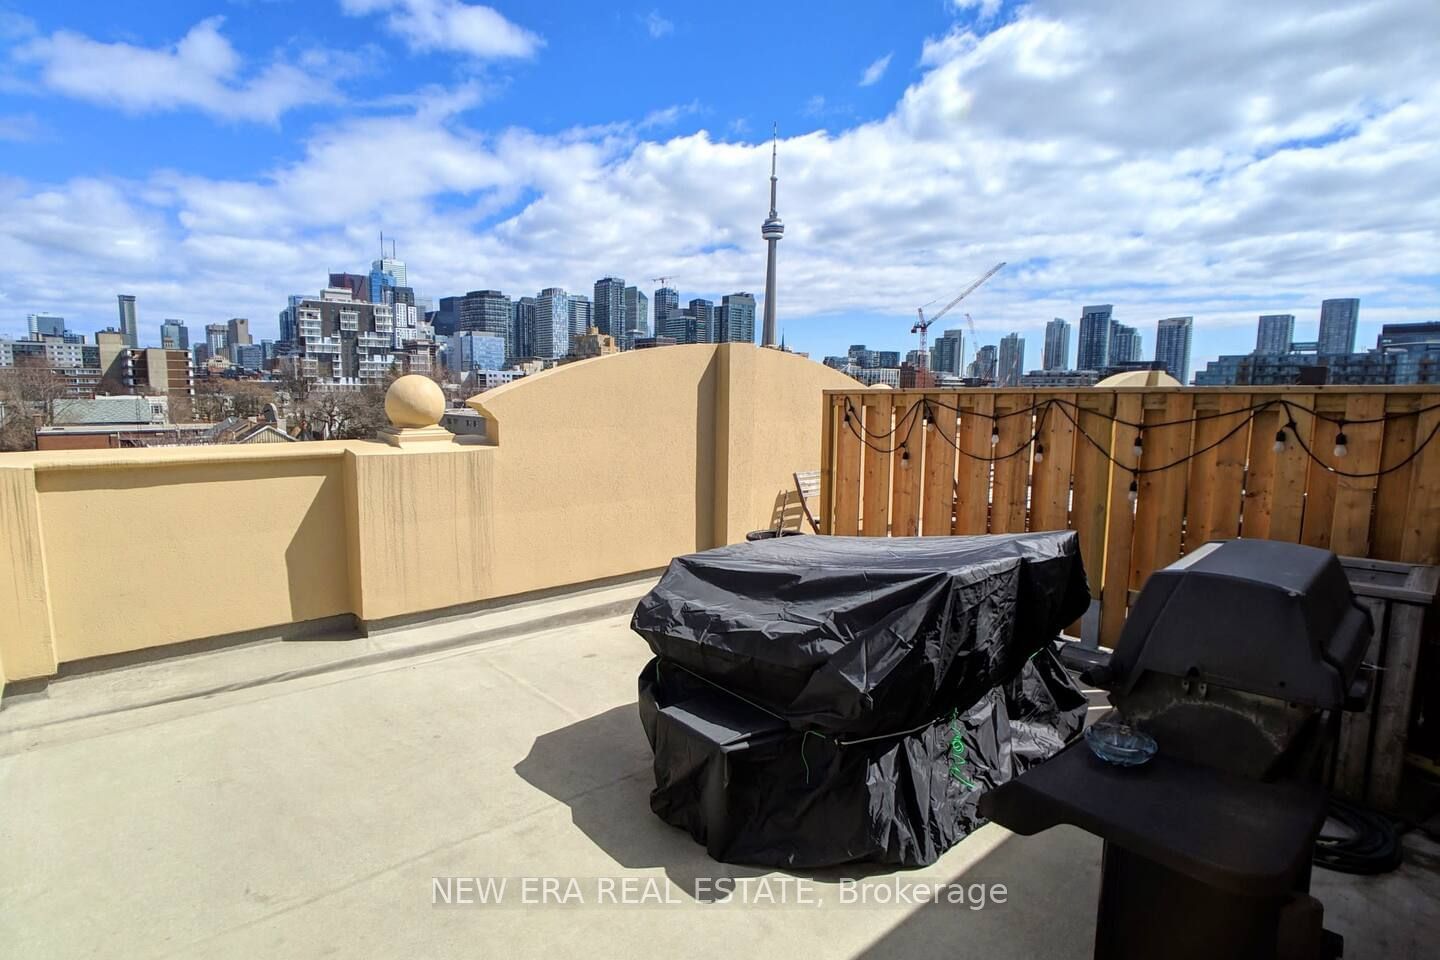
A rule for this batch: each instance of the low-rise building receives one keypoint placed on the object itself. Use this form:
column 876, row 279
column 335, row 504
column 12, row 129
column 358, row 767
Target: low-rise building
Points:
column 463, row 422
column 133, row 410
column 478, row 381
column 156, row 371
column 1372, row 367
column 1060, row 378
column 591, row 343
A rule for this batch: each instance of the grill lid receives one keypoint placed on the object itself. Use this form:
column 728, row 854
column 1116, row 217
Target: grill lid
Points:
column 1259, row 616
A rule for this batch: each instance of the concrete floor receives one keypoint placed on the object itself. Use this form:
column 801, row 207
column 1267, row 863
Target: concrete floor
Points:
column 298, row 800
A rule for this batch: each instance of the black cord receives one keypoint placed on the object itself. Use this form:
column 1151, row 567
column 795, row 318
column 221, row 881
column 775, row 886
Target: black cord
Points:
column 852, row 413
column 1359, row 476
column 1371, row 846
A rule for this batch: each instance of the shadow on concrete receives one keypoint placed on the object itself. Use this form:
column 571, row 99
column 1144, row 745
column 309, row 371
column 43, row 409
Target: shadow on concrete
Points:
column 601, row 768
column 1051, row 886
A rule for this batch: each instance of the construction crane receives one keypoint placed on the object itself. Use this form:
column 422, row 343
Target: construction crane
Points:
column 922, row 326
column 663, row 281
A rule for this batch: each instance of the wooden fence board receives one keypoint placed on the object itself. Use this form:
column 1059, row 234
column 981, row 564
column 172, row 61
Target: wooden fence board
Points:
column 1320, row 486
column 1355, row 496
column 1142, row 549
column 1093, row 441
column 1227, row 478
column 1170, row 519
column 1012, row 473
column 1292, row 466
column 829, row 419
column 1050, row 482
column 906, row 468
column 1353, row 748
column 1421, row 542
column 1209, row 427
column 875, row 492
column 847, row 469
column 1120, row 522
column 937, row 516
column 972, row 509
column 1392, row 491
column 1259, row 500
column 1397, row 690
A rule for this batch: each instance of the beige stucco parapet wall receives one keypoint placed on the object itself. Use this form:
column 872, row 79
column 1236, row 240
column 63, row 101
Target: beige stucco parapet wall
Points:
column 602, row 468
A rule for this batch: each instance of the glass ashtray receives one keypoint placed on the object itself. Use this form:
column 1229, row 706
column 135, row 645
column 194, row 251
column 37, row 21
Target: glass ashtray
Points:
column 1119, row 744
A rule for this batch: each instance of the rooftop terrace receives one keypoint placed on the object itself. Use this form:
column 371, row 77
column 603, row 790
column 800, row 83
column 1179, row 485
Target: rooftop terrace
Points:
column 297, row 798
column 257, row 700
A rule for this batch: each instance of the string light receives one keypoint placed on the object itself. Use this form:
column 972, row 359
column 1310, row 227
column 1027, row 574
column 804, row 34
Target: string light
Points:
column 1134, row 491
column 1139, row 449
column 1039, row 410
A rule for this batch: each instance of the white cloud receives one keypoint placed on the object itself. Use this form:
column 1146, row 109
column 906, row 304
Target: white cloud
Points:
column 875, row 71
column 1110, row 155
column 668, row 116
column 20, row 127
column 15, row 26
column 202, row 71
column 657, row 25
column 469, row 28
column 984, row 9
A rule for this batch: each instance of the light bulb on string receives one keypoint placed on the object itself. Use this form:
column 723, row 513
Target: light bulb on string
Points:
column 995, row 434
column 1139, row 448
column 1280, row 440
column 1340, row 443
column 1134, row 490
column 1039, row 453
column 905, row 456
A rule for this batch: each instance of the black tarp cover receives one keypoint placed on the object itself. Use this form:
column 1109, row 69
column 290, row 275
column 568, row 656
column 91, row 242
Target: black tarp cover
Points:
column 863, row 635
column 821, row 700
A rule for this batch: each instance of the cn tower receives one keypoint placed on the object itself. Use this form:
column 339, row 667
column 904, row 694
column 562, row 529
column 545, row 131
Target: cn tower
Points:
column 772, row 230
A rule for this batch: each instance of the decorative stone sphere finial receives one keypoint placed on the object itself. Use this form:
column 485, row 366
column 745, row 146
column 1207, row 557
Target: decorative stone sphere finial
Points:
column 414, row 401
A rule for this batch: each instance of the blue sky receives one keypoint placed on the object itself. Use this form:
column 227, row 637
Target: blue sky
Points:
column 215, row 157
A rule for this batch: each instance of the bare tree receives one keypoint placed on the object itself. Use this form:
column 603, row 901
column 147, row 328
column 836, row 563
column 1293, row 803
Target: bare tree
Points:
column 43, row 388
column 294, row 385
column 210, row 404
column 182, row 408
column 247, row 399
column 17, row 423
column 330, row 415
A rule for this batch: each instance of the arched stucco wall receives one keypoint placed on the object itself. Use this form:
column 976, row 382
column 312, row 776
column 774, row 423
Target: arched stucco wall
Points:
column 602, row 468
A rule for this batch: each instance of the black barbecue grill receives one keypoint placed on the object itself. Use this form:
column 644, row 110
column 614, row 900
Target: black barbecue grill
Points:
column 1237, row 660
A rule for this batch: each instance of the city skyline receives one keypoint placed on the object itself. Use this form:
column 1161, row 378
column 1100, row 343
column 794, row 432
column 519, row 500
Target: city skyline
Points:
column 518, row 167
column 1269, row 335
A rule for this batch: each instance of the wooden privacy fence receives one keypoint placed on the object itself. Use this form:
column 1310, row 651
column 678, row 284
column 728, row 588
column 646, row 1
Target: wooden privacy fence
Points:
column 1141, row 473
